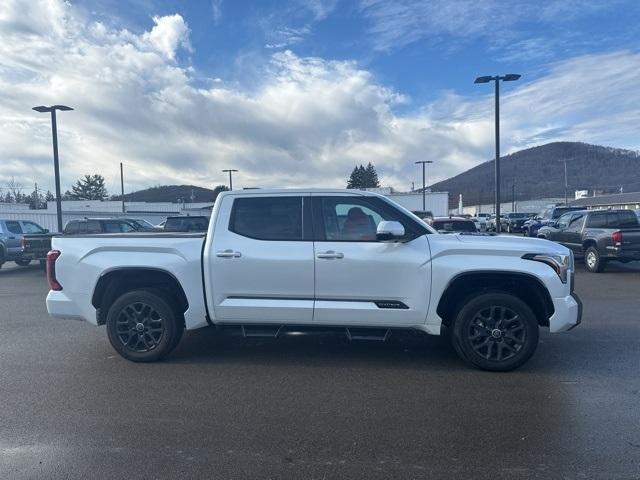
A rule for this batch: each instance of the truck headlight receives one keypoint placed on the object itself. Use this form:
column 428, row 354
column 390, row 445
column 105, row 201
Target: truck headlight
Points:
column 562, row 264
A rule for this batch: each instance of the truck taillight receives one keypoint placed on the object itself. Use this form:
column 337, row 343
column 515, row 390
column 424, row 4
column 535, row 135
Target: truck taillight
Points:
column 52, row 256
column 23, row 242
column 616, row 237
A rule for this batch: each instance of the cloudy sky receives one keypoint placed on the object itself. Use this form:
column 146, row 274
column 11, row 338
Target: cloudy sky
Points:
column 295, row 93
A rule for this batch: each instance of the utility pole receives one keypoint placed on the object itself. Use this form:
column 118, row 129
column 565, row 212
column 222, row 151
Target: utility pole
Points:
column 424, row 184
column 122, row 186
column 230, row 177
column 37, row 197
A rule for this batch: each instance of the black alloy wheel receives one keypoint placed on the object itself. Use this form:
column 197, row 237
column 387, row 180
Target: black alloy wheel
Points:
column 495, row 331
column 144, row 325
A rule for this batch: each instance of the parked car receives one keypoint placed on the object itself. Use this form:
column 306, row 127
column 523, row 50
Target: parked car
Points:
column 514, row 221
column 12, row 233
column 100, row 225
column 453, row 225
column 597, row 235
column 186, row 224
column 544, row 217
column 480, row 219
column 491, row 222
column 282, row 261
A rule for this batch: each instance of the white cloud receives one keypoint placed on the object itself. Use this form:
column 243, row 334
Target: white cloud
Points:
column 168, row 34
column 307, row 121
column 452, row 23
column 216, row 10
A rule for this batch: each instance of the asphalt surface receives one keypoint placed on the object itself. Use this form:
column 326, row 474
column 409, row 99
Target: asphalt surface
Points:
column 318, row 408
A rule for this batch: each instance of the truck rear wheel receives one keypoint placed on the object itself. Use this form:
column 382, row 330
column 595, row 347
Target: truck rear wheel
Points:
column 23, row 262
column 593, row 261
column 142, row 326
column 495, row 331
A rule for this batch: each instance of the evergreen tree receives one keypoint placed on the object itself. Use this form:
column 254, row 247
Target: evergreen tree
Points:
column 362, row 177
column 90, row 187
column 371, row 177
column 357, row 178
column 36, row 200
column 49, row 197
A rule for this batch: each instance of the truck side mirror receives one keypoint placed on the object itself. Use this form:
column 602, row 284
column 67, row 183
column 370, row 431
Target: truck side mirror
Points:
column 389, row 231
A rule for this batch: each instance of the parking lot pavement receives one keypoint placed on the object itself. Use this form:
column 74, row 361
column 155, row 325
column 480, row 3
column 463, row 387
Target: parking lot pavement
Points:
column 318, row 407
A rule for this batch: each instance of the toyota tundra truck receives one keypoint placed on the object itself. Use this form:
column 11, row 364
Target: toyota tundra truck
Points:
column 276, row 262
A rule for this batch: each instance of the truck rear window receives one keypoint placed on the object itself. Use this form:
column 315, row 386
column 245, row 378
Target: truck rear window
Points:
column 267, row 218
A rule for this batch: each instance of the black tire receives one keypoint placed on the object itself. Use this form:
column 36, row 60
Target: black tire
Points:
column 23, row 262
column 509, row 229
column 495, row 331
column 143, row 326
column 593, row 261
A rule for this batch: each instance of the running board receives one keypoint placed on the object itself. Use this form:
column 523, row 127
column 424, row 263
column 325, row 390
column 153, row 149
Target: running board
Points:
column 368, row 333
column 275, row 331
column 262, row 331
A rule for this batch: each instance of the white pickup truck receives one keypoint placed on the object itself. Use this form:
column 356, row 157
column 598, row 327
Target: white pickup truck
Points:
column 280, row 261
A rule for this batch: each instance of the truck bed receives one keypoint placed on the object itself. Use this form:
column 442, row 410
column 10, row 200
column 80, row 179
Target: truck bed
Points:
column 86, row 258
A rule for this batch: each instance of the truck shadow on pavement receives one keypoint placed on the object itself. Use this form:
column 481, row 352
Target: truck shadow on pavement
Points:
column 402, row 350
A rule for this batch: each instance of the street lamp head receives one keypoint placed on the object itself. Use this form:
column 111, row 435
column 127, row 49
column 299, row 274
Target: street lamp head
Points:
column 485, row 79
column 510, row 77
column 43, row 109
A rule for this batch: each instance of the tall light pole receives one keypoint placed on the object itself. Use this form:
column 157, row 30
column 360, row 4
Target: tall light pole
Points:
column 510, row 77
column 122, row 186
column 424, row 185
column 230, row 170
column 566, row 185
column 56, row 166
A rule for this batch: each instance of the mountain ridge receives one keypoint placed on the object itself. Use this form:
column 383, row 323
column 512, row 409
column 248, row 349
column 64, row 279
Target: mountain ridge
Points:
column 538, row 172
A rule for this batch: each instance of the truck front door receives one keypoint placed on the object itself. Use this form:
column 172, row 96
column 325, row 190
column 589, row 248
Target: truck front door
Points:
column 261, row 260
column 361, row 280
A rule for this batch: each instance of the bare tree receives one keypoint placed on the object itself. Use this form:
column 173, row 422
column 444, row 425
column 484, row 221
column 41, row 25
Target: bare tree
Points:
column 15, row 188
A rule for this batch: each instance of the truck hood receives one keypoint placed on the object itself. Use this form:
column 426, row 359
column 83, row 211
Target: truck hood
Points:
column 503, row 244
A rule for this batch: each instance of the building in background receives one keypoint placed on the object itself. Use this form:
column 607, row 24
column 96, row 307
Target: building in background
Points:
column 435, row 202
column 617, row 200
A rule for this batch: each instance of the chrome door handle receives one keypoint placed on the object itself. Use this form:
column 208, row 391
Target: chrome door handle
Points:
column 331, row 254
column 228, row 254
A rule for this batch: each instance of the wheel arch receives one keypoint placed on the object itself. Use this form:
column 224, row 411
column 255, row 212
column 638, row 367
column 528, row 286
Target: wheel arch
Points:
column 116, row 282
column 524, row 286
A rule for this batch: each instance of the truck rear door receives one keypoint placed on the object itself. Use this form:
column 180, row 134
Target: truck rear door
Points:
column 261, row 261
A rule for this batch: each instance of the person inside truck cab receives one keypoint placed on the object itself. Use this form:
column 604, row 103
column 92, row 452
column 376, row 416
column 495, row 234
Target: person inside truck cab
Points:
column 358, row 226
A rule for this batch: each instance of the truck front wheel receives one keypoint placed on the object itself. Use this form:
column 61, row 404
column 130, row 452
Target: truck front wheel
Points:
column 495, row 331
column 142, row 326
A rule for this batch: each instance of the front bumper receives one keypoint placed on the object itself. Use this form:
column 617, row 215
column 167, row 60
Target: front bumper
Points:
column 567, row 315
